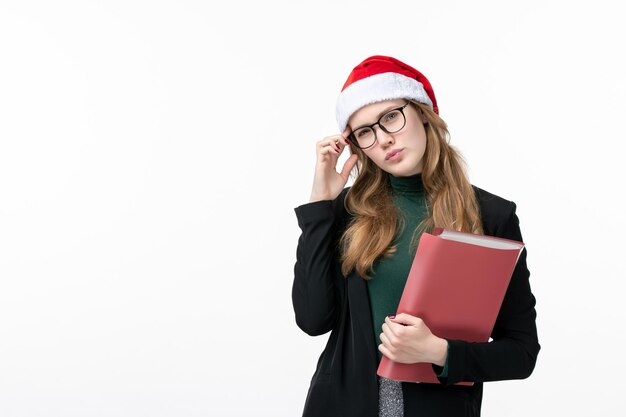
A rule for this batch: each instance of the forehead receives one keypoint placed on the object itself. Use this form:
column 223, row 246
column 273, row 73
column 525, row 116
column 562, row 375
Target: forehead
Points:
column 370, row 113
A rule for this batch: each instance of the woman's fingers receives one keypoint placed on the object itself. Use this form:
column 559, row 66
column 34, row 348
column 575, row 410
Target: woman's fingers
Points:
column 330, row 140
column 328, row 183
column 329, row 149
column 332, row 144
column 388, row 331
column 344, row 135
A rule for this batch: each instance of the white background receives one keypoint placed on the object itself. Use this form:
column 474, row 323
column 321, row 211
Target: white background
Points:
column 152, row 152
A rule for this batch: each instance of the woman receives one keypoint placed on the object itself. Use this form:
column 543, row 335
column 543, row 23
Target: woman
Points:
column 358, row 242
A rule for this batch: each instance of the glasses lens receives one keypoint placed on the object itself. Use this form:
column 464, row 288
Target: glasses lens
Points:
column 393, row 121
column 364, row 137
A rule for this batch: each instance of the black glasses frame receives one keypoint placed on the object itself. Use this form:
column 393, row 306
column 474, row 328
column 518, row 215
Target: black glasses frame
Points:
column 352, row 138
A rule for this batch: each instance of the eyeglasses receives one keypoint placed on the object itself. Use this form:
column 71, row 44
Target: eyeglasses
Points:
column 391, row 122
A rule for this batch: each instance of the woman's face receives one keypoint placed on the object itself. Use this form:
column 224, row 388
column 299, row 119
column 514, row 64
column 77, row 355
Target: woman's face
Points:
column 400, row 154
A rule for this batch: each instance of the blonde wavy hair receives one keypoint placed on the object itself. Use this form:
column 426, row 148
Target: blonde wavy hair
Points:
column 450, row 199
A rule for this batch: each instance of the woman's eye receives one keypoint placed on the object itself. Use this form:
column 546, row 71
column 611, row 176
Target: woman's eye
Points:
column 390, row 116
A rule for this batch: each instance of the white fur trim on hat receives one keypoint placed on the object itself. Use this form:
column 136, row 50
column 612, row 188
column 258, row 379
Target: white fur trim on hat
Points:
column 379, row 87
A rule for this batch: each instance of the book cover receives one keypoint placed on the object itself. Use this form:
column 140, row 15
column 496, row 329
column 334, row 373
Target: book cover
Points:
column 456, row 284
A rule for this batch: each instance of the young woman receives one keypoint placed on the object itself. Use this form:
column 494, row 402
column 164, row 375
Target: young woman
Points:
column 358, row 243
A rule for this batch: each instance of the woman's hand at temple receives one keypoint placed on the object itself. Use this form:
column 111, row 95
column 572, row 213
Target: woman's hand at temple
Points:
column 327, row 182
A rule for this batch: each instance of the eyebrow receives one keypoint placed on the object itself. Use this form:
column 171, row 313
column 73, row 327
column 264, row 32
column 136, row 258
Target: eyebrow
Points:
column 393, row 106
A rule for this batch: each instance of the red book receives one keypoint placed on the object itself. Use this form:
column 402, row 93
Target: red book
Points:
column 456, row 285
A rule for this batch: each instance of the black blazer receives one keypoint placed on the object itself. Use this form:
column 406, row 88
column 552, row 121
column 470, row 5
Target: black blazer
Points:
column 345, row 381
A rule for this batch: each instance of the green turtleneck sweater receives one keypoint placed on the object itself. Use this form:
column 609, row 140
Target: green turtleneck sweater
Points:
column 390, row 272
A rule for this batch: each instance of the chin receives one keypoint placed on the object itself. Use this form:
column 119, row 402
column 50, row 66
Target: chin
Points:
column 399, row 171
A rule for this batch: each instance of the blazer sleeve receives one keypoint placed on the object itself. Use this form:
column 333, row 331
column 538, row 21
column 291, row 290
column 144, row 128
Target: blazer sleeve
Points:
column 314, row 292
column 512, row 352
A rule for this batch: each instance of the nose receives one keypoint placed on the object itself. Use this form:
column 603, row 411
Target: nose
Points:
column 383, row 138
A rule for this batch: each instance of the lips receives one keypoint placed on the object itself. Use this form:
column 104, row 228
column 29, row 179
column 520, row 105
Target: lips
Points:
column 392, row 153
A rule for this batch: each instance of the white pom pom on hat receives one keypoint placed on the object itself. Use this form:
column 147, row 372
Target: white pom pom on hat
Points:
column 379, row 78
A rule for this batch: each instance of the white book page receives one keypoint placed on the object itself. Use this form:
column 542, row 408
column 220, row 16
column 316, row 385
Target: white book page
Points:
column 480, row 240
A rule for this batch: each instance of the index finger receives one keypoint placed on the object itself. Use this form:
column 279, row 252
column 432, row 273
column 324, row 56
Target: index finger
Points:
column 344, row 135
column 390, row 326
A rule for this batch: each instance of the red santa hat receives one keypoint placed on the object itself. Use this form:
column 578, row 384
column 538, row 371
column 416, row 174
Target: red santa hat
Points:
column 380, row 78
